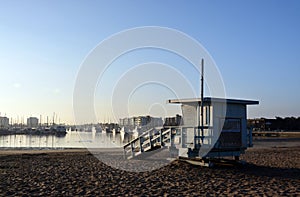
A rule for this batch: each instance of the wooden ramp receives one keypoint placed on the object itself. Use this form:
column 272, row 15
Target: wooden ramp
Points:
column 150, row 140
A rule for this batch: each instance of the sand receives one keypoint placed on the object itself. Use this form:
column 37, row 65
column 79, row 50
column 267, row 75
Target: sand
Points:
column 271, row 171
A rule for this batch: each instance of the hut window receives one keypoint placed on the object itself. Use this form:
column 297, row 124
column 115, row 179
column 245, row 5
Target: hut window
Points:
column 207, row 115
column 232, row 125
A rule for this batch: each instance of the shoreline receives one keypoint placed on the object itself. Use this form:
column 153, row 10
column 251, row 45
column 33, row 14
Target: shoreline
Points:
column 16, row 151
column 259, row 143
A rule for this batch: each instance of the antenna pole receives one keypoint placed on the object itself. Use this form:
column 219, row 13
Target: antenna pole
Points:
column 202, row 96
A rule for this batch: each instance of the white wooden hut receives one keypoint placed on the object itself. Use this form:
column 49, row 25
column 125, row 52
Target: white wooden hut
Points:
column 212, row 128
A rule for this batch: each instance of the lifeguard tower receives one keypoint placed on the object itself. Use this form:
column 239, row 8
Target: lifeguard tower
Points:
column 210, row 128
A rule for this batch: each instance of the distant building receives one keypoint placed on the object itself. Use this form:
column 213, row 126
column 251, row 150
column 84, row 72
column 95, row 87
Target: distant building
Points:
column 32, row 122
column 154, row 122
column 141, row 121
column 4, row 122
column 126, row 122
column 173, row 121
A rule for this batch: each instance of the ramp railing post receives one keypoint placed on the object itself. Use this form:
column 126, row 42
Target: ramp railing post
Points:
column 141, row 144
column 132, row 149
column 250, row 137
column 161, row 138
column 150, row 138
column 124, row 152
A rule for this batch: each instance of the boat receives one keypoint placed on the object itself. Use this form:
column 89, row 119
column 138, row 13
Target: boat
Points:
column 114, row 131
column 98, row 129
column 60, row 130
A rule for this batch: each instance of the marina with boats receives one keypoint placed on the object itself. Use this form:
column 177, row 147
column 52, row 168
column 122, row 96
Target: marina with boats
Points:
column 68, row 136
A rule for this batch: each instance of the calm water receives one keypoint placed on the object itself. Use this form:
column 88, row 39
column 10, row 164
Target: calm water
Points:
column 73, row 139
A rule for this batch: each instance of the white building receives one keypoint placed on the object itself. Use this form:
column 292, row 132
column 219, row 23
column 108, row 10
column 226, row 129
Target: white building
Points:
column 142, row 121
column 32, row 122
column 4, row 122
column 154, row 122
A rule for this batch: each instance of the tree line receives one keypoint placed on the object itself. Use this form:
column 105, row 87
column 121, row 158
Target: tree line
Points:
column 279, row 123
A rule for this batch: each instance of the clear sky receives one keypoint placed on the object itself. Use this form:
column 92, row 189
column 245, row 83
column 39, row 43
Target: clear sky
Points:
column 255, row 45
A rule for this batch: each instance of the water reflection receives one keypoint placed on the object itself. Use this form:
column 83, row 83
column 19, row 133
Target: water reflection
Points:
column 73, row 139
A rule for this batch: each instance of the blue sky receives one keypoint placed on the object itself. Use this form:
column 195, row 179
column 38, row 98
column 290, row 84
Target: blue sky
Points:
column 255, row 45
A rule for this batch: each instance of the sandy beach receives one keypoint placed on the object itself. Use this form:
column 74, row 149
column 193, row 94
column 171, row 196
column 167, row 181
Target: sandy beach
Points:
column 270, row 171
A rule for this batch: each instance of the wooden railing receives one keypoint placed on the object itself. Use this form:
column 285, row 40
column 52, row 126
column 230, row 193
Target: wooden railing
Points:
column 150, row 139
